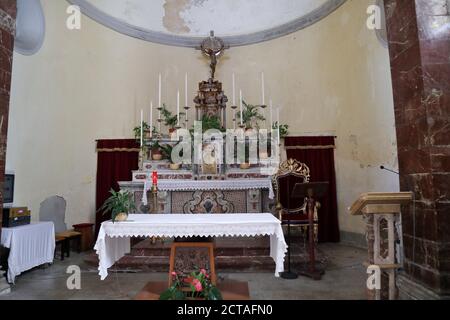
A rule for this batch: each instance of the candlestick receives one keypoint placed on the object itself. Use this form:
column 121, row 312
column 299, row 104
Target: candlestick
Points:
column 234, row 90
column 242, row 114
column 263, row 89
column 151, row 118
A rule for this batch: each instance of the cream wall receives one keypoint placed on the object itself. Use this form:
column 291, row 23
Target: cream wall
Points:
column 89, row 84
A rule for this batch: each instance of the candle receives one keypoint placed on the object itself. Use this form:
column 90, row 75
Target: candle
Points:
column 234, row 90
column 159, row 92
column 159, row 103
column 263, row 100
column 278, row 125
column 186, row 90
column 151, row 118
column 242, row 114
column 178, row 107
column 271, row 114
column 155, row 178
column 142, row 128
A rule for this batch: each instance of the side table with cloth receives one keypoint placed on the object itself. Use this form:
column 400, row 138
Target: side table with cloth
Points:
column 30, row 246
column 113, row 240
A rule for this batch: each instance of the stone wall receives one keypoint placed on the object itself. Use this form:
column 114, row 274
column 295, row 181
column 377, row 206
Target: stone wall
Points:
column 419, row 44
column 7, row 30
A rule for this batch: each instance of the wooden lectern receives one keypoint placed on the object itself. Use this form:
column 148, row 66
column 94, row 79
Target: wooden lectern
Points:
column 384, row 235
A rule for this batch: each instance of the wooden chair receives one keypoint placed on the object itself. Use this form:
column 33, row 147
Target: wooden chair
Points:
column 292, row 211
column 54, row 209
column 192, row 258
column 288, row 208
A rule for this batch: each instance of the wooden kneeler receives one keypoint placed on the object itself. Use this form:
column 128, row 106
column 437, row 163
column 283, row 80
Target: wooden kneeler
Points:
column 208, row 245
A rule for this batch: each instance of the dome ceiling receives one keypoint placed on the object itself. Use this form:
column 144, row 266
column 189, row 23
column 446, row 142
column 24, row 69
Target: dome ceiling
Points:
column 184, row 22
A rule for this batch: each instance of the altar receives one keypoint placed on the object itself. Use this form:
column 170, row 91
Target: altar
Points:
column 251, row 195
column 113, row 241
column 214, row 167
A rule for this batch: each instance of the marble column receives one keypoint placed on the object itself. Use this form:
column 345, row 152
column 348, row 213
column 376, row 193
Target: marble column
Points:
column 419, row 46
column 7, row 31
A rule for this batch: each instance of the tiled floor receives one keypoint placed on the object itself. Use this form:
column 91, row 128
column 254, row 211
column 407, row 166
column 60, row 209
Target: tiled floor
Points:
column 345, row 278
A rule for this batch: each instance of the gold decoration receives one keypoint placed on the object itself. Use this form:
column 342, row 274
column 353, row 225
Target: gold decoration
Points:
column 292, row 166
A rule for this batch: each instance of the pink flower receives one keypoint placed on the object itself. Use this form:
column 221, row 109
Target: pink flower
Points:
column 174, row 274
column 197, row 285
column 203, row 271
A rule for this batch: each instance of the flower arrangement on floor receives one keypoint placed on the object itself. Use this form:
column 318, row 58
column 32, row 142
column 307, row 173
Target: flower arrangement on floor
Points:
column 196, row 285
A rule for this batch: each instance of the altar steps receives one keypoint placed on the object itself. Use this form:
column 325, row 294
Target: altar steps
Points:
column 232, row 255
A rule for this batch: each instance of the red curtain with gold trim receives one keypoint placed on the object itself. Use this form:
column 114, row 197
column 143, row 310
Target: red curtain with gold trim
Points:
column 318, row 154
column 115, row 161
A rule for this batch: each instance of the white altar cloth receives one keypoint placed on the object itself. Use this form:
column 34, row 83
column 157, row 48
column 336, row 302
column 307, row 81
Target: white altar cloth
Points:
column 194, row 185
column 113, row 240
column 30, row 246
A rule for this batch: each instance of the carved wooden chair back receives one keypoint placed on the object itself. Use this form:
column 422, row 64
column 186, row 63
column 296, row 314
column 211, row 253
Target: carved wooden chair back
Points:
column 289, row 174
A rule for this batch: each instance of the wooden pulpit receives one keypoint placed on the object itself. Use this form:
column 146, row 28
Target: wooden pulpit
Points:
column 382, row 213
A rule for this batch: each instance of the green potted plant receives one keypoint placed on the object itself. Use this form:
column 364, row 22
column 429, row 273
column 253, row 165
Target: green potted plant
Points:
column 167, row 152
column 211, row 122
column 170, row 120
column 119, row 204
column 284, row 129
column 137, row 131
column 156, row 151
column 250, row 116
column 194, row 286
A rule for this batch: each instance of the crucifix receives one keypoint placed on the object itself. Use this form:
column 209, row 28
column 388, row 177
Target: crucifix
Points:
column 213, row 47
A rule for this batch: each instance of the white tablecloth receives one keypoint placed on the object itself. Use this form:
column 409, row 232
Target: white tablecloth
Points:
column 194, row 185
column 113, row 240
column 30, row 246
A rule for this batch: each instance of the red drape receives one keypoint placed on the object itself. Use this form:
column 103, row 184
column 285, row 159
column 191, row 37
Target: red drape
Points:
column 318, row 154
column 115, row 161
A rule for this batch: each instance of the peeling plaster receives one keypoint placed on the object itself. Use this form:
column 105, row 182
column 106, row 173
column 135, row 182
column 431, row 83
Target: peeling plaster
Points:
column 172, row 20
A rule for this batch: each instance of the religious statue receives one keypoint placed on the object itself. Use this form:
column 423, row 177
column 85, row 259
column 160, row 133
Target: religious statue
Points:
column 213, row 47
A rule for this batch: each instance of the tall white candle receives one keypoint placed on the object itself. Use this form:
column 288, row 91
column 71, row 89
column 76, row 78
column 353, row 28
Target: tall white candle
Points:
column 234, row 90
column 142, row 128
column 151, row 119
column 271, row 114
column 186, row 90
column 263, row 89
column 242, row 114
column 178, row 107
column 159, row 92
column 278, row 125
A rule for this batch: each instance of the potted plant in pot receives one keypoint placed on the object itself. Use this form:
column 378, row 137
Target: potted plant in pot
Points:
column 137, row 131
column 156, row 151
column 250, row 116
column 170, row 120
column 284, row 129
column 119, row 204
column 167, row 152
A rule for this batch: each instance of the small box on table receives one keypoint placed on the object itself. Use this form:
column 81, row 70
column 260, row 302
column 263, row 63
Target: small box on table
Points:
column 13, row 217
